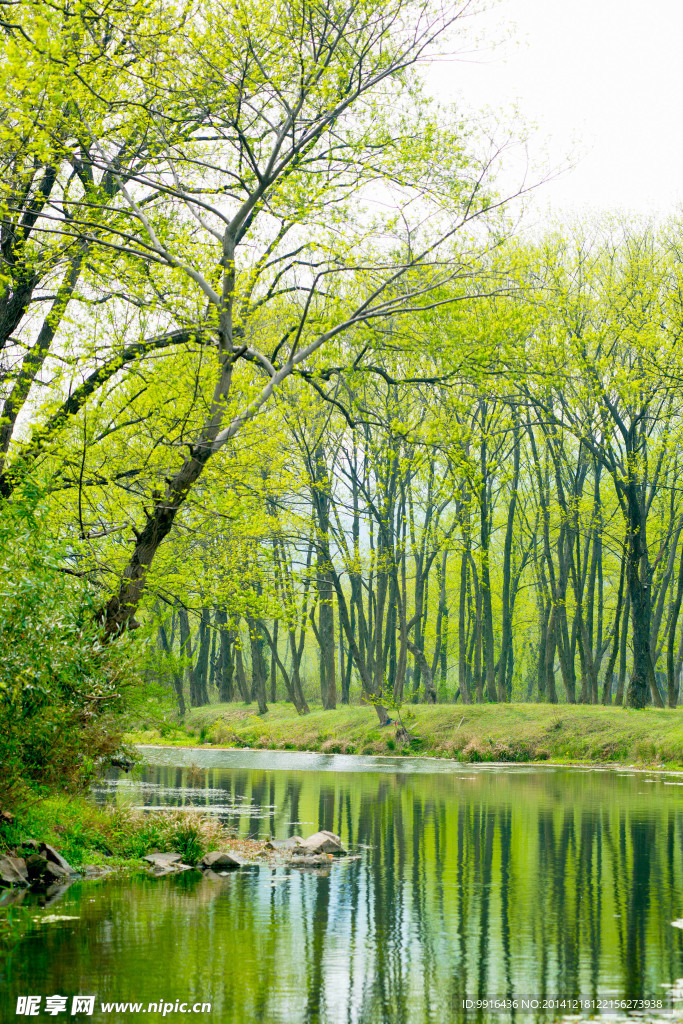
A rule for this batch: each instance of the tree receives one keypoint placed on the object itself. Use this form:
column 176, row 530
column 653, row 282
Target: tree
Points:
column 609, row 373
column 290, row 119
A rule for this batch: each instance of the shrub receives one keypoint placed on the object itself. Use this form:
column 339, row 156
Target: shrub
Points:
column 60, row 687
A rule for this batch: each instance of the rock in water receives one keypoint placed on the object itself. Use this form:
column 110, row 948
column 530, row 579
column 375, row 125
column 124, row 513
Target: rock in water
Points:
column 218, row 860
column 13, row 871
column 284, row 844
column 170, row 869
column 321, row 842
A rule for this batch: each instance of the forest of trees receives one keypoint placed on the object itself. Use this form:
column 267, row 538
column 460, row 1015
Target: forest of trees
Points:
column 291, row 406
column 506, row 530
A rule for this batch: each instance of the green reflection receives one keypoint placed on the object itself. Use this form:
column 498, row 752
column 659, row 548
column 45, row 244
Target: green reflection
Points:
column 470, row 884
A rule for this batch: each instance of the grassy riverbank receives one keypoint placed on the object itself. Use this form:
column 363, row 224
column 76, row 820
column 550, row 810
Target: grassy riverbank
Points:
column 100, row 842
column 488, row 732
column 114, row 837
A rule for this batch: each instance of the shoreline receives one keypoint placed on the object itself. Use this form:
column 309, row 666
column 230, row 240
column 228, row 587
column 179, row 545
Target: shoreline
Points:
column 607, row 766
column 493, row 734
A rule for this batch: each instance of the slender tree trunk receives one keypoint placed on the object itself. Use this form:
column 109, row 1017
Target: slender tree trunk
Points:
column 621, row 681
column 273, row 664
column 671, row 680
column 486, row 606
column 344, row 678
column 462, row 637
column 441, row 642
column 609, row 671
column 176, row 676
column 506, row 621
column 241, row 675
column 226, row 691
column 544, row 610
column 550, row 658
column 294, row 692
column 258, row 665
column 186, row 653
column 478, row 675
column 321, row 502
column 212, row 658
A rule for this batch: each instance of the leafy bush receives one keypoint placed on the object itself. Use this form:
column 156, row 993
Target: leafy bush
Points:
column 60, row 686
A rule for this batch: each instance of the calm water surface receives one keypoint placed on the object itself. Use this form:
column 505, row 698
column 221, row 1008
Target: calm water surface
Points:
column 472, row 882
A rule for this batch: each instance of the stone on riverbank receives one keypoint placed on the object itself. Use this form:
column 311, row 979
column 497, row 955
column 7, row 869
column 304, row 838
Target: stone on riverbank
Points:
column 163, row 859
column 43, row 871
column 13, row 871
column 53, row 857
column 43, row 867
column 166, row 864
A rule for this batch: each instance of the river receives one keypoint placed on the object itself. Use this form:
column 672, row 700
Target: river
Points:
column 524, row 884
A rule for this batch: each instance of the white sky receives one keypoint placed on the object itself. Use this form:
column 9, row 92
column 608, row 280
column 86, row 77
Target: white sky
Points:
column 603, row 82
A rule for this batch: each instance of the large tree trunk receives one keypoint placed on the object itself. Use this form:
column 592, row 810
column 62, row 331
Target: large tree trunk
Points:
column 430, row 692
column 638, row 580
column 119, row 612
column 201, row 668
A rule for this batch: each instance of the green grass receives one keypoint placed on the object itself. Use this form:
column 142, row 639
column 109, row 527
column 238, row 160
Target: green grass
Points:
column 85, row 833
column 487, row 732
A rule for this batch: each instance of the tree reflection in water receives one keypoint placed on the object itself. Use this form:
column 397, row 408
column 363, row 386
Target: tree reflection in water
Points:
column 472, row 884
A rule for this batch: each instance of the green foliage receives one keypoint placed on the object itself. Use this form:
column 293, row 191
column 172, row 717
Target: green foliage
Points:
column 85, row 833
column 61, row 689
